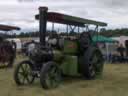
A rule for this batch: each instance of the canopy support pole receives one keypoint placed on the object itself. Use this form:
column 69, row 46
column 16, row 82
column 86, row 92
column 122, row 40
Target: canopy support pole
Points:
column 96, row 31
column 52, row 26
column 87, row 29
column 78, row 31
column 67, row 30
column 72, row 29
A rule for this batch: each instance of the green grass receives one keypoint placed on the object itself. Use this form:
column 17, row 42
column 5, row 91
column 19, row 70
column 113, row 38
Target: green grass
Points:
column 114, row 82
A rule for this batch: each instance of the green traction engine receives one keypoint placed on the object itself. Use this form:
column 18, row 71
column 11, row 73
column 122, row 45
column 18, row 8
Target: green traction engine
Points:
column 53, row 59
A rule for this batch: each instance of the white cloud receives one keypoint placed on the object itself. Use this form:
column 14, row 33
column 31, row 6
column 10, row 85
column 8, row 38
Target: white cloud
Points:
column 22, row 13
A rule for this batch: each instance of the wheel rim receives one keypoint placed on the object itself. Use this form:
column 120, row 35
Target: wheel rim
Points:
column 53, row 77
column 93, row 61
column 99, row 63
column 25, row 74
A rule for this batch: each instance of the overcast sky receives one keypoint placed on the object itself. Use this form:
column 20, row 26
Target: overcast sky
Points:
column 21, row 12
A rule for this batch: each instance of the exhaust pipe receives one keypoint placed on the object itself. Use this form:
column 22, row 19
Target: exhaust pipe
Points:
column 42, row 24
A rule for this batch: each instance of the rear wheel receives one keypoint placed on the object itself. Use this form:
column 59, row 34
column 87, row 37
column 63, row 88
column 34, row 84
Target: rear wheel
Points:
column 99, row 62
column 50, row 76
column 92, row 63
column 23, row 73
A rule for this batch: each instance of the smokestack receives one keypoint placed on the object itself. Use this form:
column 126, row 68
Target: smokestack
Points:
column 42, row 24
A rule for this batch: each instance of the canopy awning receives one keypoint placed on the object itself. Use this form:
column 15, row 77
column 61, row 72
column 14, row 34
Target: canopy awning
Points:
column 8, row 28
column 100, row 38
column 70, row 20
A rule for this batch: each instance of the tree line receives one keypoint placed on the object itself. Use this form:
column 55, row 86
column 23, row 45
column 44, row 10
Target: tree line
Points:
column 104, row 32
column 114, row 32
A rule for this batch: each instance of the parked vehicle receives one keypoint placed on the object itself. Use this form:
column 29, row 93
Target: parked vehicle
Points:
column 50, row 60
column 7, row 48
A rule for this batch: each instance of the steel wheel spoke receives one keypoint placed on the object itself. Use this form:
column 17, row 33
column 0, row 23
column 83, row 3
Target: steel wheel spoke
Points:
column 25, row 74
column 21, row 73
column 22, row 68
column 27, row 78
column 48, row 80
column 21, row 76
column 92, row 73
column 53, row 82
column 94, row 59
column 25, row 67
column 24, row 80
column 51, row 77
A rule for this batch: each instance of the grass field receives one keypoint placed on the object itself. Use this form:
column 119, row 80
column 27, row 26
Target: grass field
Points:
column 114, row 82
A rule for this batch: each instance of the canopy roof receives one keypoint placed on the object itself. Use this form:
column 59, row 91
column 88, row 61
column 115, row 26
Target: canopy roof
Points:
column 8, row 28
column 100, row 38
column 70, row 20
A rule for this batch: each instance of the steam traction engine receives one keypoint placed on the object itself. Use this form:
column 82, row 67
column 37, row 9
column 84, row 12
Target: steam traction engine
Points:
column 7, row 48
column 50, row 60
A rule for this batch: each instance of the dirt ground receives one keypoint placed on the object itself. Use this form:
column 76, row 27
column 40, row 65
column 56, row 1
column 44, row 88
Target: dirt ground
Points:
column 114, row 82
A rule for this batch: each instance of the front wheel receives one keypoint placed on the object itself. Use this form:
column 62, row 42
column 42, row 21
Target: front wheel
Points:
column 50, row 75
column 23, row 73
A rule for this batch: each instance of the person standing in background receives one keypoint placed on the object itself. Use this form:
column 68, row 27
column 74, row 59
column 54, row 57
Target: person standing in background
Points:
column 121, row 51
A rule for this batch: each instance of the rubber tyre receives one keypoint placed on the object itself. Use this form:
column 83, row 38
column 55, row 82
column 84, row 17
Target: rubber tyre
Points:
column 16, row 77
column 90, row 67
column 45, row 71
